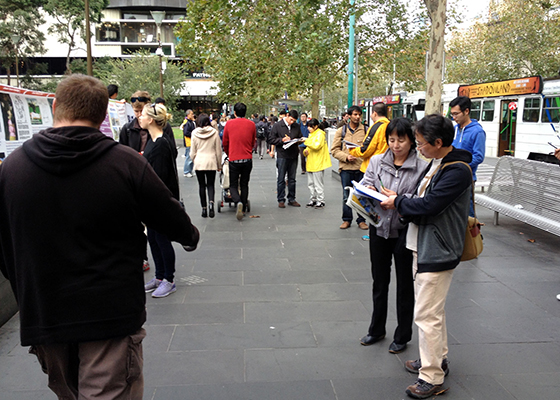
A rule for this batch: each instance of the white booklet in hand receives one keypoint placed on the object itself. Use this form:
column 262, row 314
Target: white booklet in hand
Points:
column 362, row 190
column 291, row 142
column 350, row 145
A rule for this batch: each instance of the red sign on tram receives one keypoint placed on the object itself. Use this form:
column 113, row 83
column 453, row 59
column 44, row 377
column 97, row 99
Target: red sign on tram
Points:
column 512, row 105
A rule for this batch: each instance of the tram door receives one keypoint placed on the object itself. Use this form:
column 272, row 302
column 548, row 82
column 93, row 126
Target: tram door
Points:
column 506, row 136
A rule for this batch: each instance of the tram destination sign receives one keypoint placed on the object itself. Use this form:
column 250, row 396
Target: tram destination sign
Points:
column 513, row 87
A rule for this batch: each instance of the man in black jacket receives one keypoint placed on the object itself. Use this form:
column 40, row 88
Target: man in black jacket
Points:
column 72, row 203
column 282, row 132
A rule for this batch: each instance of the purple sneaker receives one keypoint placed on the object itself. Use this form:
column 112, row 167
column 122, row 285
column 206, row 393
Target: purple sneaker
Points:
column 164, row 289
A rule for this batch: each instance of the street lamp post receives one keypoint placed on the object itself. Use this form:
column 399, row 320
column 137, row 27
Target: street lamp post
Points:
column 158, row 18
column 15, row 39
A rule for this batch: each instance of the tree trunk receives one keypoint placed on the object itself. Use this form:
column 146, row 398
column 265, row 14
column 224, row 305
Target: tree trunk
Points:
column 437, row 13
column 8, row 75
column 315, row 101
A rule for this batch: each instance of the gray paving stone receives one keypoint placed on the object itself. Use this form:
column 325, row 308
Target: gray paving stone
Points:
column 193, row 367
column 531, row 385
column 323, row 262
column 246, row 264
column 236, row 294
column 200, row 313
column 242, row 336
column 283, row 277
column 335, row 291
column 276, row 312
column 316, row 390
column 361, row 275
column 316, row 364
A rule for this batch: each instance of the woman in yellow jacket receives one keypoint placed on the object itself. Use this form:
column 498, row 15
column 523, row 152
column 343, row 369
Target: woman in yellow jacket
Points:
column 318, row 159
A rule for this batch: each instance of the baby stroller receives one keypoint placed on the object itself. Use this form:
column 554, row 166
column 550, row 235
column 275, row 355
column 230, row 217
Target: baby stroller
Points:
column 224, row 183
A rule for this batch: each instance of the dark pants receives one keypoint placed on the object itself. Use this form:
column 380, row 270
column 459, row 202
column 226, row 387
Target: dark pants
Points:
column 286, row 166
column 346, row 178
column 104, row 369
column 206, row 183
column 239, row 175
column 163, row 254
column 381, row 252
column 302, row 158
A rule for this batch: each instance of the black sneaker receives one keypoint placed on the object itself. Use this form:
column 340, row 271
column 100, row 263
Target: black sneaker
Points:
column 422, row 390
column 415, row 365
column 319, row 205
column 310, row 204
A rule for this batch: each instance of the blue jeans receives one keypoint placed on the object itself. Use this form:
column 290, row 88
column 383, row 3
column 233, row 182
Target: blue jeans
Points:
column 286, row 166
column 188, row 168
column 346, row 178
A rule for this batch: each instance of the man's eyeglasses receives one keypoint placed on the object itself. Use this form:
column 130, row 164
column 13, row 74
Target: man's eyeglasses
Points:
column 454, row 114
column 420, row 145
column 140, row 99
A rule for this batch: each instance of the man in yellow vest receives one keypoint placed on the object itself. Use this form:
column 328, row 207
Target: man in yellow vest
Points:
column 374, row 142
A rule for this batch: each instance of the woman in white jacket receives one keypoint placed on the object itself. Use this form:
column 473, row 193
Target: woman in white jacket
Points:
column 206, row 153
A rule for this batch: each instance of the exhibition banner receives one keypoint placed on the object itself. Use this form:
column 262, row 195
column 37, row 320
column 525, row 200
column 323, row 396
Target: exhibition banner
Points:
column 26, row 112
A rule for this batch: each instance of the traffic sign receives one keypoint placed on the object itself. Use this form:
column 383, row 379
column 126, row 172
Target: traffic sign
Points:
column 512, row 105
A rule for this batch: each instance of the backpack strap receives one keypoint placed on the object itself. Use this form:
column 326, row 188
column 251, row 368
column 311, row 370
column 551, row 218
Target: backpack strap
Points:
column 342, row 136
column 369, row 137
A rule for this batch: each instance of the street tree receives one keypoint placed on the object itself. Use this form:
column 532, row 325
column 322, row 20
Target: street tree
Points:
column 19, row 17
column 141, row 72
column 259, row 51
column 520, row 38
column 437, row 10
column 69, row 25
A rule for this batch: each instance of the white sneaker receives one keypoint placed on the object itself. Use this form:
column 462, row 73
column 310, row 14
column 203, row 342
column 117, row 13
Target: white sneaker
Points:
column 558, row 297
column 164, row 289
column 188, row 175
column 239, row 214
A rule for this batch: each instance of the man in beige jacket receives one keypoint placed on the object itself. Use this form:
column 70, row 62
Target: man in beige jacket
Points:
column 348, row 165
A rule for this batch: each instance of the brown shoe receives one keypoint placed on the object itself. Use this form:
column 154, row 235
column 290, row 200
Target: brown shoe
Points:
column 281, row 205
column 422, row 390
column 294, row 204
column 363, row 225
column 345, row 225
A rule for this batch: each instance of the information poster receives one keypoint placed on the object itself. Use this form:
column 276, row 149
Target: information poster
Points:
column 26, row 112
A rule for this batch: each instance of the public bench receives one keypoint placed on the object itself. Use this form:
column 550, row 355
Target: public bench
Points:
column 526, row 190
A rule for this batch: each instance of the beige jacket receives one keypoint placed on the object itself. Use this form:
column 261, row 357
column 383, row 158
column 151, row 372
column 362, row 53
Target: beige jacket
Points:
column 206, row 149
column 340, row 151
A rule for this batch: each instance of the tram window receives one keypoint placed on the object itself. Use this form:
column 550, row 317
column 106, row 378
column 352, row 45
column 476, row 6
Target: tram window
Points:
column 531, row 109
column 551, row 109
column 475, row 110
column 488, row 110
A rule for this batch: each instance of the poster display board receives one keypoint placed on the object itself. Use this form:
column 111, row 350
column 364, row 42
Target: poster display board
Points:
column 24, row 113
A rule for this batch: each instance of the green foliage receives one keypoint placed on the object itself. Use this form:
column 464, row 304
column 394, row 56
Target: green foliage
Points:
column 521, row 39
column 141, row 72
column 259, row 49
column 70, row 21
column 23, row 22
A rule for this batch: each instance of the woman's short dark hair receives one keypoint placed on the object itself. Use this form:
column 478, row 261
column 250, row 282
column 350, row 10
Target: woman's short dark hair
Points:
column 202, row 120
column 403, row 128
column 436, row 126
column 313, row 122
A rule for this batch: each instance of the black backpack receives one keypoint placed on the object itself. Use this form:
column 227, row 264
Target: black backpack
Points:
column 261, row 131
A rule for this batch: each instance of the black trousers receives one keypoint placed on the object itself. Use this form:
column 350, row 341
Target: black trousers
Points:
column 206, row 184
column 381, row 253
column 239, row 175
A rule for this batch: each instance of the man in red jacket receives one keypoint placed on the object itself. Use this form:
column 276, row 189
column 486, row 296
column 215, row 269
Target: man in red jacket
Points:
column 240, row 136
column 72, row 203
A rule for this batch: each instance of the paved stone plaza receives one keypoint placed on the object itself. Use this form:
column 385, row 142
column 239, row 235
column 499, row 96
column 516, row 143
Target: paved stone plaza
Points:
column 272, row 308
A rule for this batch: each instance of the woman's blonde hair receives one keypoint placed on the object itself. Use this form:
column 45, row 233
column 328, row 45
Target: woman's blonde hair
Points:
column 158, row 112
